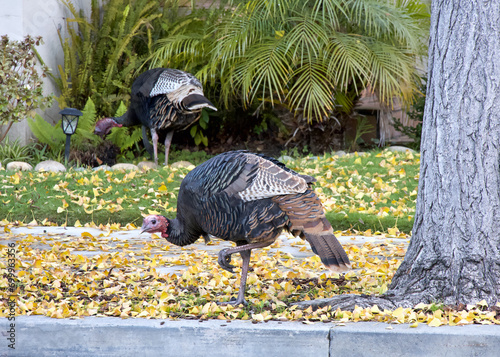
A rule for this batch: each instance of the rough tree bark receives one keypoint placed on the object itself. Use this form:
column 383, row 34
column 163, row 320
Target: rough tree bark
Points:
column 454, row 253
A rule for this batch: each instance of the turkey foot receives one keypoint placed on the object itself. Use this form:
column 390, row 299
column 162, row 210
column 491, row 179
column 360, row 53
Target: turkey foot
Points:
column 225, row 260
column 233, row 302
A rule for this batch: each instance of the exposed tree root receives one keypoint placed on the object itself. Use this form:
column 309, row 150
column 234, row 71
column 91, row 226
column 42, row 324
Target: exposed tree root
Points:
column 348, row 302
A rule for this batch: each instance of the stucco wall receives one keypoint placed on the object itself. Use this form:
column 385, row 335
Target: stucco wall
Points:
column 19, row 18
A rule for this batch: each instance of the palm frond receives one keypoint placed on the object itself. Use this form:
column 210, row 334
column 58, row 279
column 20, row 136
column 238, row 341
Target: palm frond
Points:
column 236, row 34
column 388, row 65
column 330, row 12
column 265, row 74
column 384, row 21
column 348, row 63
column 271, row 9
column 312, row 91
column 307, row 38
column 312, row 55
column 179, row 51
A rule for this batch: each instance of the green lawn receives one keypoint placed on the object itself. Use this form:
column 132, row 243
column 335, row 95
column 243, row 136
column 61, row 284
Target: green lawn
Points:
column 375, row 191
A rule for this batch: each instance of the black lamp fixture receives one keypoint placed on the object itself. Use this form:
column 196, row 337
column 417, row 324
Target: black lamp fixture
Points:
column 69, row 123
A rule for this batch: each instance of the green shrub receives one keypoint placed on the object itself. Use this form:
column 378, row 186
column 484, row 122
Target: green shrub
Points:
column 21, row 89
column 53, row 136
column 13, row 152
column 103, row 55
column 313, row 56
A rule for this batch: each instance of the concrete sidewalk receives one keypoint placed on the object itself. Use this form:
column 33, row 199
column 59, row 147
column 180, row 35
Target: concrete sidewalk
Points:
column 94, row 336
column 289, row 244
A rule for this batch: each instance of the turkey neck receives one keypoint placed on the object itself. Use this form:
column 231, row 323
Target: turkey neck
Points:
column 127, row 119
column 178, row 234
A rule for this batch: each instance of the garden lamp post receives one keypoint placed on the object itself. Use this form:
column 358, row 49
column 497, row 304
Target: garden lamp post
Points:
column 69, row 123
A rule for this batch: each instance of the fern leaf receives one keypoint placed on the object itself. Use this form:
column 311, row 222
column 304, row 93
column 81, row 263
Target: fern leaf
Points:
column 46, row 133
column 121, row 110
column 88, row 119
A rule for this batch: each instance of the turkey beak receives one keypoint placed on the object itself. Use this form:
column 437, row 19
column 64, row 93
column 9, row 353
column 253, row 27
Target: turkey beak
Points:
column 144, row 228
column 210, row 105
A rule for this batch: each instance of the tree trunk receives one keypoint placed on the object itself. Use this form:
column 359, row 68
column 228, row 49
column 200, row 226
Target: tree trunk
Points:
column 454, row 253
column 2, row 136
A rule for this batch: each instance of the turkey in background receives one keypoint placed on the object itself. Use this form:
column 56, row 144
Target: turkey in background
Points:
column 162, row 99
column 248, row 199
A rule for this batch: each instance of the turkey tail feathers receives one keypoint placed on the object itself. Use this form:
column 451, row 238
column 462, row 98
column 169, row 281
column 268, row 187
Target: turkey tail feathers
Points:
column 329, row 250
column 307, row 219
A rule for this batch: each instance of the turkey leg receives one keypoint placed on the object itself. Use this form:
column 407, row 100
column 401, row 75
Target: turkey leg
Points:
column 168, row 141
column 245, row 256
column 154, row 136
column 146, row 142
column 245, row 253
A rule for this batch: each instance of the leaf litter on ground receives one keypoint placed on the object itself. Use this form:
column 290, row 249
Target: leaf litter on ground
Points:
column 101, row 275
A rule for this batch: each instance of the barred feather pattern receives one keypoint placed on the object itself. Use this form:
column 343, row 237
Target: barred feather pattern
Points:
column 165, row 115
column 158, row 97
column 271, row 180
column 240, row 173
column 171, row 80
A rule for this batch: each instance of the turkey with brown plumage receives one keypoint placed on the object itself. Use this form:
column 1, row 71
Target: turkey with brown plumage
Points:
column 248, row 199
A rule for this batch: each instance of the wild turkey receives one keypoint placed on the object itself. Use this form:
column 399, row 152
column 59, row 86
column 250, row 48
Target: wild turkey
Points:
column 248, row 199
column 162, row 99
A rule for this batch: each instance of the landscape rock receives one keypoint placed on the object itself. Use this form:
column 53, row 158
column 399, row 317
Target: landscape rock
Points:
column 400, row 149
column 359, row 153
column 285, row 158
column 181, row 164
column 19, row 165
column 339, row 153
column 50, row 165
column 125, row 167
column 147, row 165
column 102, row 167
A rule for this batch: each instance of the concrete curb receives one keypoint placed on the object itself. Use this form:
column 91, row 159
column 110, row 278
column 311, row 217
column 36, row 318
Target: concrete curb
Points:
column 43, row 336
column 92, row 336
column 378, row 339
